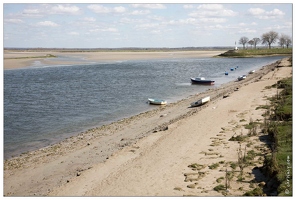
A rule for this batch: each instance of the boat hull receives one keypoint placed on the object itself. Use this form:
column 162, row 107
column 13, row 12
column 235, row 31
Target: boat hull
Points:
column 200, row 102
column 202, row 82
column 157, row 102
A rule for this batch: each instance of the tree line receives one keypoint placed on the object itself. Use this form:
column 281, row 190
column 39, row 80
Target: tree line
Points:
column 268, row 38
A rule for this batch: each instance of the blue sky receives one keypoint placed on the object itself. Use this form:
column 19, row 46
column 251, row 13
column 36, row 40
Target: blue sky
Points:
column 114, row 25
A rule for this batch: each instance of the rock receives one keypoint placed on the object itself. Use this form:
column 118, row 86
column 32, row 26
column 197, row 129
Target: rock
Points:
column 191, row 185
column 261, row 184
column 78, row 173
column 164, row 128
column 225, row 96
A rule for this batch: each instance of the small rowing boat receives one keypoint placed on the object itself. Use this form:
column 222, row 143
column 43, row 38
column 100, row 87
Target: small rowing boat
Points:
column 202, row 80
column 157, row 101
column 200, row 102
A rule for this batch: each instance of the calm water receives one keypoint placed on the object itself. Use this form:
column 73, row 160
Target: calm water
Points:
column 46, row 104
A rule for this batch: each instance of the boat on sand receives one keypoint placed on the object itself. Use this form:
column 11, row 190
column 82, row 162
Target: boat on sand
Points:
column 201, row 101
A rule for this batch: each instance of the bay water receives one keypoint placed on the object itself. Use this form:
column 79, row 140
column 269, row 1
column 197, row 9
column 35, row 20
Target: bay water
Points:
column 46, row 104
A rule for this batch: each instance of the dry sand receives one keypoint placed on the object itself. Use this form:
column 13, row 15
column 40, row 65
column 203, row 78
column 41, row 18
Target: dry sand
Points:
column 149, row 154
column 15, row 60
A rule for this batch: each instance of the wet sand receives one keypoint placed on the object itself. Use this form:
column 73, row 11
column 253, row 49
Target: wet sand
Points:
column 16, row 60
column 149, row 154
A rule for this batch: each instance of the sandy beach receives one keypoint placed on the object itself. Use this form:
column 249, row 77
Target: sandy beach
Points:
column 150, row 154
column 22, row 59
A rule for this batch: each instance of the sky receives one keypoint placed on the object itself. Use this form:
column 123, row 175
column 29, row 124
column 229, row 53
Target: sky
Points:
column 117, row 25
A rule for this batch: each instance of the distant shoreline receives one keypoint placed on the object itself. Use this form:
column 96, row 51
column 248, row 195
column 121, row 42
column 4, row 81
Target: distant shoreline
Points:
column 21, row 58
column 127, row 49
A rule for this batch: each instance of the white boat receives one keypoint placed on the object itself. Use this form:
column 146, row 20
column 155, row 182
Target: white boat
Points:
column 243, row 77
column 200, row 101
column 252, row 72
column 157, row 101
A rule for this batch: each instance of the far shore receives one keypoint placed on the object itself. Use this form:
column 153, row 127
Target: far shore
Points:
column 23, row 59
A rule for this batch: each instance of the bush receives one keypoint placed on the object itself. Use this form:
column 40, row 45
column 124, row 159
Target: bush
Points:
column 219, row 187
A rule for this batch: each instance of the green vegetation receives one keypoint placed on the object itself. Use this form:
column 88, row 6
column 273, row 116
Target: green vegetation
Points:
column 233, row 165
column 257, row 52
column 196, row 166
column 219, row 187
column 255, row 192
column 214, row 166
column 219, row 180
column 278, row 165
column 238, row 138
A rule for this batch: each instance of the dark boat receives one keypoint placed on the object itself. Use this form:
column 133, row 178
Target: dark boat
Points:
column 202, row 80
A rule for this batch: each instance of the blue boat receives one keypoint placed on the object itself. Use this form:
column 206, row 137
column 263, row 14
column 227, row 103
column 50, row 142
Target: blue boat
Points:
column 231, row 69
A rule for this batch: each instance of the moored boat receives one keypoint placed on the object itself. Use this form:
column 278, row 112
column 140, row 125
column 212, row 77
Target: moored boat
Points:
column 201, row 101
column 202, row 80
column 241, row 77
column 252, row 72
column 157, row 101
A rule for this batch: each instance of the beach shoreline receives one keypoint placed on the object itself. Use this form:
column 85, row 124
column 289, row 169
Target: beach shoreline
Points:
column 104, row 148
column 25, row 59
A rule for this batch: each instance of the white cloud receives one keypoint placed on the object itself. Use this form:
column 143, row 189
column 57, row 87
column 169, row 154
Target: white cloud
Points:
column 149, row 6
column 119, row 9
column 212, row 10
column 110, row 30
column 263, row 14
column 140, row 12
column 32, row 12
column 275, row 12
column 65, row 9
column 182, row 21
column 89, row 19
column 47, row 23
column 188, row 6
column 210, row 7
column 126, row 20
column 14, row 21
column 147, row 26
column 256, row 11
column 104, row 30
column 104, row 10
column 155, row 32
column 212, row 20
column 73, row 33
column 98, row 8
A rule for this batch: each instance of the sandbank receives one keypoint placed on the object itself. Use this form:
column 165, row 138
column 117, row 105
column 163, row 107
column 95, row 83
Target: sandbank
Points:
column 16, row 60
column 149, row 154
